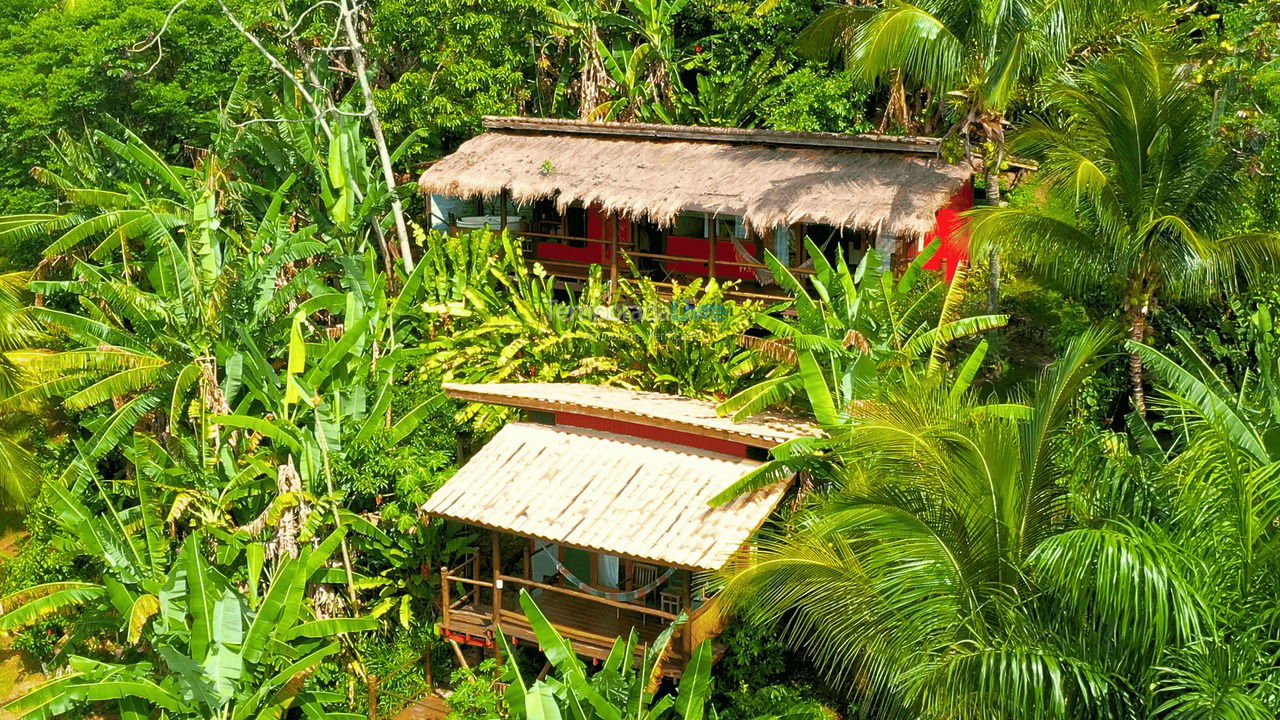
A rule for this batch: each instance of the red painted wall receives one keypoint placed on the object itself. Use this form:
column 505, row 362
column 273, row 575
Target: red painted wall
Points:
column 701, row 248
column 648, row 432
column 597, row 253
column 953, row 230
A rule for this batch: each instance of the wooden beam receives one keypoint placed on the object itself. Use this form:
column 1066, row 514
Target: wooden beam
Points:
column 457, row 650
column 730, row 136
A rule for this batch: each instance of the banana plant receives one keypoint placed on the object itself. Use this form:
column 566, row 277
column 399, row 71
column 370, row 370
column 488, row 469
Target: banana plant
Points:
column 188, row 640
column 140, row 333
column 333, row 386
column 857, row 327
column 620, row 688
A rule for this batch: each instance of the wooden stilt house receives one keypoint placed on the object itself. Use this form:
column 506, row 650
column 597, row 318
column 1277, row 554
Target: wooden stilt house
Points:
column 687, row 202
column 596, row 502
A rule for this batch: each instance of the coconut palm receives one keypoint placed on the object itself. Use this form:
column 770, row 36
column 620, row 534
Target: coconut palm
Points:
column 1130, row 153
column 907, row 581
column 972, row 55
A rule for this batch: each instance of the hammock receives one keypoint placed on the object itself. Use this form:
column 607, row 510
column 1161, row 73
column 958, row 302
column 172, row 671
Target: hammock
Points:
column 627, row 596
column 763, row 276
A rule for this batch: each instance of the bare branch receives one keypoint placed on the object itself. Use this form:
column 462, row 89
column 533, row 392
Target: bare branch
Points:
column 279, row 67
column 157, row 39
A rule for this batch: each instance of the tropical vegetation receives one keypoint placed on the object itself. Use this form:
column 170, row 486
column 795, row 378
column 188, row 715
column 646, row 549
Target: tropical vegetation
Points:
column 225, row 319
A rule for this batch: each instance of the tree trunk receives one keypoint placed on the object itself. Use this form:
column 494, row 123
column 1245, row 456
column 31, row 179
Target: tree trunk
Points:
column 375, row 123
column 1137, row 308
column 993, row 260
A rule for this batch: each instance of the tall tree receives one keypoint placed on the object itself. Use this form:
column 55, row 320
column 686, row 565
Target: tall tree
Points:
column 969, row 54
column 1131, row 155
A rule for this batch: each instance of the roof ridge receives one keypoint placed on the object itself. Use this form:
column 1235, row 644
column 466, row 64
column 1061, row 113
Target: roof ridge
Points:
column 914, row 144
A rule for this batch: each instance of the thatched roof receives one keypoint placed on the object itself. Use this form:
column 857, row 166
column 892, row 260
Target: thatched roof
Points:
column 607, row 493
column 653, row 172
column 674, row 412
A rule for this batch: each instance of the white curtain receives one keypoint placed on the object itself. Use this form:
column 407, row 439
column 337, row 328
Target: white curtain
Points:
column 608, row 571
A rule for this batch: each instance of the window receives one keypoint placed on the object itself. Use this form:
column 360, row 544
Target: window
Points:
column 730, row 227
column 690, row 225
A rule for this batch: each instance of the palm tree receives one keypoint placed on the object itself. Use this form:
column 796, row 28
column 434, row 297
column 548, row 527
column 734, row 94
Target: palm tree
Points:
column 908, row 579
column 1130, row 153
column 972, row 54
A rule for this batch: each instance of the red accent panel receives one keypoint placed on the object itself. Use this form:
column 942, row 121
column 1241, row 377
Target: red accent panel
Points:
column 598, row 228
column 701, row 248
column 649, row 432
column 465, row 639
column 592, row 253
column 953, row 230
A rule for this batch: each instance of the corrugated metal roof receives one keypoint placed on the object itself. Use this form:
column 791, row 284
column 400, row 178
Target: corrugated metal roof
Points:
column 607, row 493
column 670, row 411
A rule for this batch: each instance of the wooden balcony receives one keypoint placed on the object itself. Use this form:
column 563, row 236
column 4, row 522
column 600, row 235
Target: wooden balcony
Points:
column 591, row 623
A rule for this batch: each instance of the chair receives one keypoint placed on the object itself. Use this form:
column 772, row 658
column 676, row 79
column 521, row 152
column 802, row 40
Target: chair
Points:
column 671, row 599
column 641, row 576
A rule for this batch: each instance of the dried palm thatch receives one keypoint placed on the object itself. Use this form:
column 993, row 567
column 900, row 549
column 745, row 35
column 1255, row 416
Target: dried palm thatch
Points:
column 652, row 173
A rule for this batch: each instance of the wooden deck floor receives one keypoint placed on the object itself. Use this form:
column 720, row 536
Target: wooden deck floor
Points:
column 431, row 706
column 590, row 626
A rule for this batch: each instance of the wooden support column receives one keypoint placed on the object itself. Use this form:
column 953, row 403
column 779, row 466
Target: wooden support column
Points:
column 711, row 252
column 495, row 543
column 502, row 208
column 444, row 597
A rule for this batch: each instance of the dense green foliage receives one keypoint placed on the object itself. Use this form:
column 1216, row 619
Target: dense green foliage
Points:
column 220, row 357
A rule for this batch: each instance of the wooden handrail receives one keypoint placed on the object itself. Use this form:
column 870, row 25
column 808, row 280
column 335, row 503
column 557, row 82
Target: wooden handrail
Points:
column 660, row 256
column 469, row 581
column 734, row 263
column 457, row 569
column 553, row 236
column 588, row 596
column 578, row 633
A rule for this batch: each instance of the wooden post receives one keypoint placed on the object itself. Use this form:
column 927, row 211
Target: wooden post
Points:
column 496, row 545
column 711, row 253
column 373, row 697
column 502, row 225
column 613, row 257
column 444, row 597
